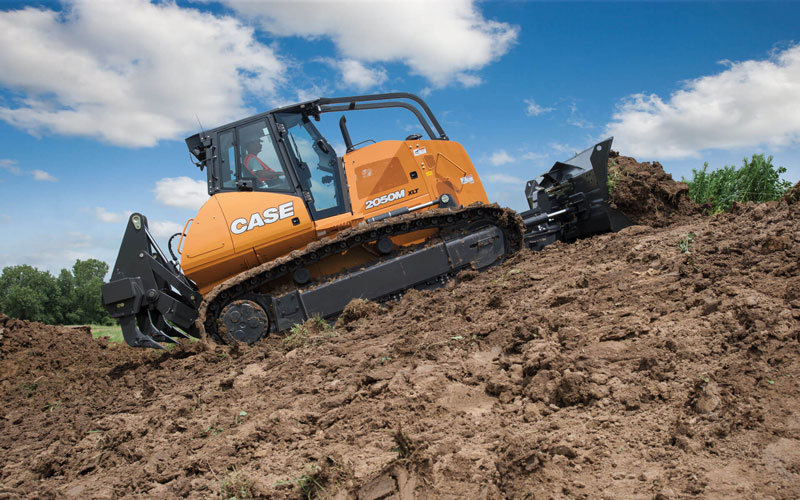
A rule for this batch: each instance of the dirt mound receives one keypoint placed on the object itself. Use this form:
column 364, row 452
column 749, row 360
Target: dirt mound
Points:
column 646, row 194
column 650, row 363
column 31, row 350
column 792, row 195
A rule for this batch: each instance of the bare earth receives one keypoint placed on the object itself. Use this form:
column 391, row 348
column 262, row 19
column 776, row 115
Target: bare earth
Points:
column 625, row 366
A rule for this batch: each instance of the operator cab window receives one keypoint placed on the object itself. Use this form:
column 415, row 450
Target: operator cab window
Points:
column 316, row 164
column 258, row 160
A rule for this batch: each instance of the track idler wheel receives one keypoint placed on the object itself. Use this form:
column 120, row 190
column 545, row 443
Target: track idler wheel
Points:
column 243, row 321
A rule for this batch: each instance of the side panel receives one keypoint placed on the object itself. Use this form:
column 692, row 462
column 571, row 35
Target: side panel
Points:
column 387, row 169
column 236, row 231
column 394, row 174
column 448, row 169
column 208, row 255
column 266, row 225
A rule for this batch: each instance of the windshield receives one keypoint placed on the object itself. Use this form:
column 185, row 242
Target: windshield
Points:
column 316, row 163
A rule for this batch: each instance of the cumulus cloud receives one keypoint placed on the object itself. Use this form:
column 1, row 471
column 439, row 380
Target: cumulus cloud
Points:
column 41, row 175
column 444, row 41
column 359, row 76
column 503, row 179
column 534, row 109
column 750, row 103
column 500, row 158
column 355, row 74
column 133, row 81
column 182, row 192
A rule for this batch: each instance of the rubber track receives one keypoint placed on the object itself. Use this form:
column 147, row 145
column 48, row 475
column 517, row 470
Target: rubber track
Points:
column 260, row 276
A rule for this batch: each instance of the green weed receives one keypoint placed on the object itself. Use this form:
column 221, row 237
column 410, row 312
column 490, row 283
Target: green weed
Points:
column 613, row 176
column 308, row 484
column 239, row 415
column 313, row 332
column 213, row 430
column 756, row 180
column 49, row 407
column 685, row 243
column 298, row 336
column 236, row 486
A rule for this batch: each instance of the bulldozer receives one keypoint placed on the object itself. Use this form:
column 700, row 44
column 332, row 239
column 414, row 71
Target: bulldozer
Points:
column 292, row 231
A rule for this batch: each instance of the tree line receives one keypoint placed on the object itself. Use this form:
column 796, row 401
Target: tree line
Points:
column 71, row 298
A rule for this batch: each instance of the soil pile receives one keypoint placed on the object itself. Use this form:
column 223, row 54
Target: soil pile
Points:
column 651, row 363
column 647, row 194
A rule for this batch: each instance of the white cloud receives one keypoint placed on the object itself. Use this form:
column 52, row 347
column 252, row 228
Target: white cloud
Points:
column 751, row 103
column 503, row 179
column 104, row 215
column 129, row 72
column 444, row 41
column 534, row 109
column 183, row 192
column 11, row 166
column 41, row 175
column 500, row 158
column 309, row 94
column 163, row 228
column 355, row 74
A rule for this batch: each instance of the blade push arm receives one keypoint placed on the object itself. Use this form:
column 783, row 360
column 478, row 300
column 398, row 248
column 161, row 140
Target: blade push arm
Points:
column 147, row 292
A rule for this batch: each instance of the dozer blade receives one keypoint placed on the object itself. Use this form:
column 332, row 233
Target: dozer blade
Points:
column 570, row 201
column 148, row 293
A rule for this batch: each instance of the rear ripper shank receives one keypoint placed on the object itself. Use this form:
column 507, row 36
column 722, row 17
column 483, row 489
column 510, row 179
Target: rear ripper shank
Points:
column 292, row 231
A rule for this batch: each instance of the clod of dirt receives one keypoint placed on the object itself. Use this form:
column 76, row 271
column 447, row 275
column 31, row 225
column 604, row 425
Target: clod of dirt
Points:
column 357, row 309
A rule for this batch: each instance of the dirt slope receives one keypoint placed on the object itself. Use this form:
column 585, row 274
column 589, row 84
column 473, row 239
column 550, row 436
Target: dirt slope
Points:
column 653, row 363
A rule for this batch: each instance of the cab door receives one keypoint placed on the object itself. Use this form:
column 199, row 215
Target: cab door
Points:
column 318, row 170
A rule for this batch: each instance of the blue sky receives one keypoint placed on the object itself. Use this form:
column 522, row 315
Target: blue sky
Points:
column 94, row 104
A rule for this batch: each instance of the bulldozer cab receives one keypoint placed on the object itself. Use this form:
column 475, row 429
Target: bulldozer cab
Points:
column 278, row 153
column 282, row 151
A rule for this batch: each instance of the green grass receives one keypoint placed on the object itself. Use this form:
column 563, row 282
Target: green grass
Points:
column 114, row 332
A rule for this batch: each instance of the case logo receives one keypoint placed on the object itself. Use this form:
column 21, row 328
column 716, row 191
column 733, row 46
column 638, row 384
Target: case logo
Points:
column 258, row 219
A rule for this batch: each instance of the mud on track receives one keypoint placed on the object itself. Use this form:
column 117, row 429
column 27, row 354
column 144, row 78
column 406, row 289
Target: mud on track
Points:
column 621, row 366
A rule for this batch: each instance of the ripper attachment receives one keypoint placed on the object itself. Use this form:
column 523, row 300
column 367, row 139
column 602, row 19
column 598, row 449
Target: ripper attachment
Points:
column 148, row 293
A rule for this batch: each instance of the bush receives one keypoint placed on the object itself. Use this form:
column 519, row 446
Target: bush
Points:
column 757, row 180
